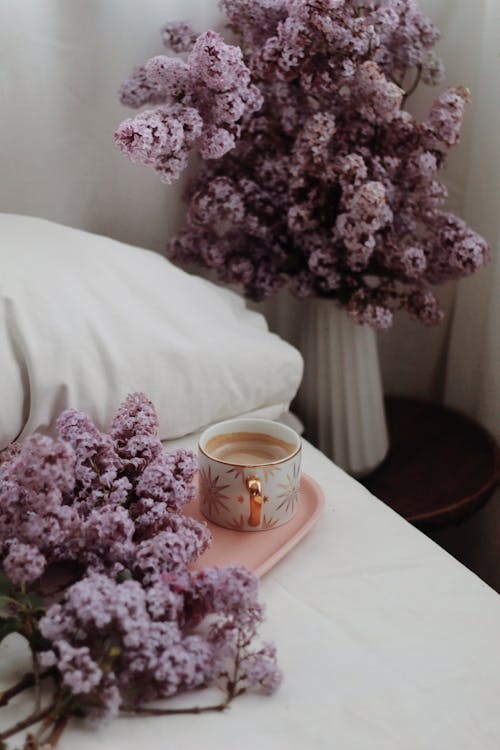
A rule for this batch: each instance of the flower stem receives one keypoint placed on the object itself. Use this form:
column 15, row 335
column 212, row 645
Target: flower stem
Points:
column 24, row 683
column 33, row 718
column 233, row 684
column 58, row 729
column 44, row 726
column 144, row 711
column 37, row 679
column 413, row 86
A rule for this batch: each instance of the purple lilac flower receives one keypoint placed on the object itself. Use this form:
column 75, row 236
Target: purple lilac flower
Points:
column 203, row 100
column 260, row 670
column 128, row 629
column 160, row 138
column 363, row 311
column 446, row 115
column 170, row 549
column 169, row 75
column 35, row 481
column 454, row 250
column 119, row 641
column 23, row 563
column 139, row 90
column 423, row 306
column 216, row 64
column 407, row 37
column 105, row 703
column 315, row 176
column 79, row 672
column 98, row 499
column 134, row 429
column 256, row 20
column 168, row 479
column 178, row 36
column 97, row 462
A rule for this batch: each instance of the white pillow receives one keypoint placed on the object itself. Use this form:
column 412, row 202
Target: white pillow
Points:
column 84, row 320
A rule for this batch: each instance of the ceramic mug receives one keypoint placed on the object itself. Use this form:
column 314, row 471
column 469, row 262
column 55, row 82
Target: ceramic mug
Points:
column 249, row 474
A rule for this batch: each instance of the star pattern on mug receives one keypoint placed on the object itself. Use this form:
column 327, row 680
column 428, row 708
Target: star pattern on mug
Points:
column 238, row 524
column 270, row 471
column 268, row 522
column 212, row 492
column 238, row 471
column 290, row 494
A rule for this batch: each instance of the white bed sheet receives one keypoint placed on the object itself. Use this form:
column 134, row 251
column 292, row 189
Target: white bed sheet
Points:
column 386, row 642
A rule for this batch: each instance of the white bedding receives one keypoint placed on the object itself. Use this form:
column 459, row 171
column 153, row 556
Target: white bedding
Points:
column 85, row 320
column 386, row 642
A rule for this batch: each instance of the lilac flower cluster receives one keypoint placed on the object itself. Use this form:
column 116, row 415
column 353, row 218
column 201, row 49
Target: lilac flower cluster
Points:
column 107, row 501
column 332, row 187
column 178, row 36
column 202, row 102
column 130, row 624
column 113, row 642
column 406, row 40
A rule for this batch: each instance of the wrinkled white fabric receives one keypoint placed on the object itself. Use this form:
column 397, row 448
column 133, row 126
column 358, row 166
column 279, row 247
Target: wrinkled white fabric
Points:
column 85, row 320
column 386, row 643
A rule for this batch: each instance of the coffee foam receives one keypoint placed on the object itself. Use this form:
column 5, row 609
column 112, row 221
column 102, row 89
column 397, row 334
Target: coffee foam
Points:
column 248, row 448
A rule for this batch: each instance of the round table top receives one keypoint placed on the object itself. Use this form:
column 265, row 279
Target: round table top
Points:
column 441, row 465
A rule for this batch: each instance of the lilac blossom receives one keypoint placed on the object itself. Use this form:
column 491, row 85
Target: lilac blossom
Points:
column 23, row 563
column 98, row 499
column 138, row 90
column 170, row 549
column 160, row 138
column 97, row 462
column 131, row 623
column 259, row 669
column 315, row 177
column 423, row 306
column 256, row 21
column 178, row 36
column 446, row 115
column 169, row 74
column 203, row 101
column 168, row 479
column 141, row 642
column 79, row 672
column 407, row 38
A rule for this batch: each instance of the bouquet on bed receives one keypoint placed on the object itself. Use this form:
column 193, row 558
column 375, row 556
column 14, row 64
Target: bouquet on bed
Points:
column 95, row 554
column 314, row 176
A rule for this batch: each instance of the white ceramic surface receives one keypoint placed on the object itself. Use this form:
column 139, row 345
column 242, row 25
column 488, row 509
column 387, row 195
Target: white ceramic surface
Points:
column 341, row 397
column 260, row 552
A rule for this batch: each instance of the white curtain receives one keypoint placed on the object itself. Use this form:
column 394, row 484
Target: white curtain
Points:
column 60, row 65
column 473, row 363
column 61, row 62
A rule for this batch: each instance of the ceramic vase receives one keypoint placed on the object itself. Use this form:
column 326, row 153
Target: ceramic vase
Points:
column 341, row 397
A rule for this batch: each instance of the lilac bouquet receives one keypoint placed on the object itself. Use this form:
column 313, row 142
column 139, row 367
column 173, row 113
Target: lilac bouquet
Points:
column 95, row 554
column 314, row 176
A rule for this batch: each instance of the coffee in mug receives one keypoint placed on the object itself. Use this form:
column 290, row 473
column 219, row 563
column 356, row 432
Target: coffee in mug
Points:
column 248, row 448
column 249, row 474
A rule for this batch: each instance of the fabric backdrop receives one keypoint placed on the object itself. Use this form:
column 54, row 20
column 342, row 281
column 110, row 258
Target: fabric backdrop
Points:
column 60, row 65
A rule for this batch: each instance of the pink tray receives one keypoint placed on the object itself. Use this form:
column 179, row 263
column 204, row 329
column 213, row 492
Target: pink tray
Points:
column 260, row 550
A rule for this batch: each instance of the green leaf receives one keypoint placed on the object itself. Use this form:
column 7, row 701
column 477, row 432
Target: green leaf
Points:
column 5, row 585
column 124, row 575
column 8, row 625
column 31, row 601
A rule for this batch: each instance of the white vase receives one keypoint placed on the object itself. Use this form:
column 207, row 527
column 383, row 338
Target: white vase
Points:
column 341, row 397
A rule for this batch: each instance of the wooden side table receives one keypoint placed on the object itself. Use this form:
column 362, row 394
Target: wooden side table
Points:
column 441, row 466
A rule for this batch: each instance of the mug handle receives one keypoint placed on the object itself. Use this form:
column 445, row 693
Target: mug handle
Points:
column 254, row 487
